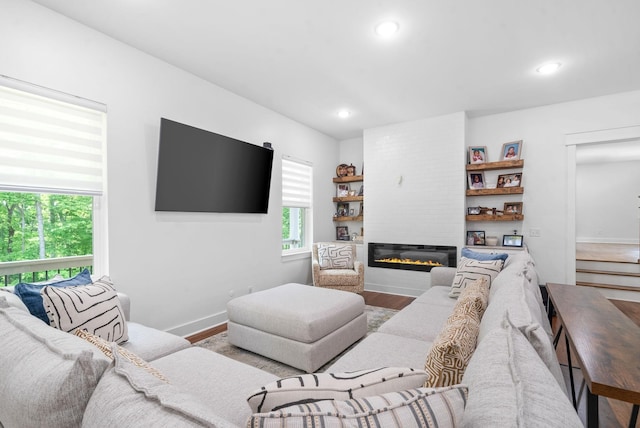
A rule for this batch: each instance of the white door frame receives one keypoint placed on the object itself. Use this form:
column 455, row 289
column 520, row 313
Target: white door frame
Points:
column 602, row 136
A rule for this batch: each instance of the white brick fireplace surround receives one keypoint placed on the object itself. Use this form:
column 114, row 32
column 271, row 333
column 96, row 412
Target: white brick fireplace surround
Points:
column 414, row 192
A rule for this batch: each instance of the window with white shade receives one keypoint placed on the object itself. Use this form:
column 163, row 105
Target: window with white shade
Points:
column 52, row 167
column 297, row 197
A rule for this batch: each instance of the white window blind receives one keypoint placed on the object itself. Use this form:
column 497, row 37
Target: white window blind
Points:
column 48, row 145
column 296, row 184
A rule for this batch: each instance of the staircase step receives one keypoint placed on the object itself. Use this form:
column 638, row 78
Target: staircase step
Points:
column 610, row 286
column 608, row 272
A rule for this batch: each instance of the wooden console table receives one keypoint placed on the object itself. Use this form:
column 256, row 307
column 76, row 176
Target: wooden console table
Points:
column 605, row 342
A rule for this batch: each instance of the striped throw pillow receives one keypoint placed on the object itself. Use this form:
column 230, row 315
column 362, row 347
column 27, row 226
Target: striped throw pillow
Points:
column 422, row 407
column 469, row 270
column 94, row 308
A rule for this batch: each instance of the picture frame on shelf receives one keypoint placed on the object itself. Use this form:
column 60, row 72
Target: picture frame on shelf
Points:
column 342, row 190
column 341, row 170
column 343, row 209
column 477, row 154
column 509, row 180
column 476, row 180
column 476, row 237
column 342, row 233
column 512, row 240
column 351, row 170
column 473, row 210
column 513, row 208
column 512, row 150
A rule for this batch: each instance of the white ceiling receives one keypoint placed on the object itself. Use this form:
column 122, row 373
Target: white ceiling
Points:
column 308, row 59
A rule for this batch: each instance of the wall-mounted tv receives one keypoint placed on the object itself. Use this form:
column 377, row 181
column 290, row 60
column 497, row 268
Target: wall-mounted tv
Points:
column 201, row 171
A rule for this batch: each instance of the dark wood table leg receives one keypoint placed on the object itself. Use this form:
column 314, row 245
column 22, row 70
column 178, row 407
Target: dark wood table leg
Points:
column 573, row 385
column 634, row 416
column 592, row 410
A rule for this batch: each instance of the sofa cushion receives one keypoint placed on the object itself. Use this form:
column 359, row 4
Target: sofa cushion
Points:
column 335, row 256
column 94, row 307
column 107, row 350
column 470, row 254
column 509, row 386
column 46, row 375
column 452, row 349
column 12, row 299
column 29, row 293
column 333, row 386
column 128, row 395
column 469, row 270
column 524, row 312
column 150, row 343
column 421, row 407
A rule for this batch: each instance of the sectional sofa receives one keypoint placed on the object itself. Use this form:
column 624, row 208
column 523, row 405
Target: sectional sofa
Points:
column 53, row 378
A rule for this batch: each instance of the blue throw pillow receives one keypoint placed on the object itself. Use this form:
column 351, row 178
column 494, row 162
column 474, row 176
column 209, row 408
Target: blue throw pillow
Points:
column 30, row 293
column 483, row 256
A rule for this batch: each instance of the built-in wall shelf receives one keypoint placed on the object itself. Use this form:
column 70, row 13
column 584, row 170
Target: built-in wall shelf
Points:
column 348, row 199
column 348, row 179
column 491, row 217
column 496, row 165
column 497, row 191
column 349, row 218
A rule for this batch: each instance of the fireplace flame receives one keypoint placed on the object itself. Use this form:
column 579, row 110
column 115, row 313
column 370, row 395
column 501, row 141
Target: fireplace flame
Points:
column 409, row 262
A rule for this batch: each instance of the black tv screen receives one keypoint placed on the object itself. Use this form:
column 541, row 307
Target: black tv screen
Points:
column 201, row 171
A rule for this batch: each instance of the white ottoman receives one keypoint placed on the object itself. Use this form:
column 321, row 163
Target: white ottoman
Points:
column 299, row 325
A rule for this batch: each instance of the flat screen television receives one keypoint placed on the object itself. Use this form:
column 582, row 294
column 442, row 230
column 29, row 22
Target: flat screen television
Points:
column 201, row 171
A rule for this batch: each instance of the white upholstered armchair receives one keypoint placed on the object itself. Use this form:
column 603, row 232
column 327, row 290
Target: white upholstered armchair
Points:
column 334, row 265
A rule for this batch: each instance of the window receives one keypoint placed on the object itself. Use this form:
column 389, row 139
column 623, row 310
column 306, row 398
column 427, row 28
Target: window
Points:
column 296, row 206
column 52, row 151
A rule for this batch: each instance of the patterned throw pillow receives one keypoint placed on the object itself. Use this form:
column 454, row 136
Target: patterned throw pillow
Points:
column 94, row 308
column 107, row 349
column 469, row 270
column 422, row 407
column 29, row 293
column 335, row 256
column 333, row 386
column 451, row 351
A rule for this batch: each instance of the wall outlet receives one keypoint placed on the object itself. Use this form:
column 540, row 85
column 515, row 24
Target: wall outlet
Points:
column 535, row 233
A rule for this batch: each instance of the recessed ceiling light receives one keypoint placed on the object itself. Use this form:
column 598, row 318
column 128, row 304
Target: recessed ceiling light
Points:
column 387, row 28
column 343, row 114
column 548, row 68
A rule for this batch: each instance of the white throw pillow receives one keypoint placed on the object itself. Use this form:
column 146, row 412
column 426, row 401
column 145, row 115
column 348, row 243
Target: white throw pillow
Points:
column 469, row 270
column 335, row 256
column 94, row 308
column 333, row 386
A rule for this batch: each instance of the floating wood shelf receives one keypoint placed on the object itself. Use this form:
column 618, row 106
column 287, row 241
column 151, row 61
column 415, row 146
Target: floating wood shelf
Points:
column 348, row 179
column 491, row 217
column 349, row 199
column 354, row 218
column 500, row 191
column 496, row 165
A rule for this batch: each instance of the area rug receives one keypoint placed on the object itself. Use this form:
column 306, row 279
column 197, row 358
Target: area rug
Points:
column 220, row 344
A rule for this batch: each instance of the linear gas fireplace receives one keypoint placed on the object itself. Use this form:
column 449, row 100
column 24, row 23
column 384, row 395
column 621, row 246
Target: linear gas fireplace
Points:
column 411, row 257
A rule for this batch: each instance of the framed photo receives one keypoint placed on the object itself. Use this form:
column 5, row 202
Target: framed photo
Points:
column 342, row 190
column 473, row 210
column 476, row 180
column 513, row 207
column 343, row 209
column 509, row 180
column 341, row 170
column 351, row 170
column 477, row 154
column 342, row 233
column 475, row 237
column 511, row 151
column 512, row 241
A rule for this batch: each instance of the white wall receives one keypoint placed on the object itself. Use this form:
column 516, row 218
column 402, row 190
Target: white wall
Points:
column 545, row 174
column 607, row 202
column 178, row 268
column 414, row 192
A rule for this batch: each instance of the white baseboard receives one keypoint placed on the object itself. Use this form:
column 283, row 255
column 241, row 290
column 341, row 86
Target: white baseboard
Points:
column 193, row 327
